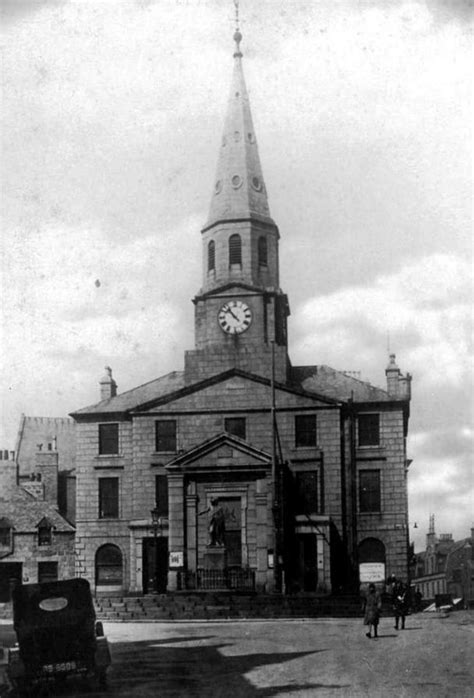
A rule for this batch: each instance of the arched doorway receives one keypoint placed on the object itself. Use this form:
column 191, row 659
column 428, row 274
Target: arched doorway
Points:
column 108, row 569
column 371, row 560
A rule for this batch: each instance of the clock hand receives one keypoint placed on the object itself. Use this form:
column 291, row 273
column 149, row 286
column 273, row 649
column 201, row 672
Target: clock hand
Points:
column 233, row 314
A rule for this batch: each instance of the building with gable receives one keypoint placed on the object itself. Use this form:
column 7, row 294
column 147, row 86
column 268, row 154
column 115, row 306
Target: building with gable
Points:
column 306, row 466
column 36, row 542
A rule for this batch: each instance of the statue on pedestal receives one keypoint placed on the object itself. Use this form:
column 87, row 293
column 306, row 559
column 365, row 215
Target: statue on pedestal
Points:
column 216, row 523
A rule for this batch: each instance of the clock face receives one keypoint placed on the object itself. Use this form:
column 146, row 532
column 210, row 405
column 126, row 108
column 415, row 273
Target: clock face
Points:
column 234, row 317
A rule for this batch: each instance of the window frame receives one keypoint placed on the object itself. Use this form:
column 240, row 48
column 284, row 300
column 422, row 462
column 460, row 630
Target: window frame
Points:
column 161, row 495
column 302, row 503
column 303, row 436
column 262, row 251
column 369, row 499
column 171, row 440
column 235, row 250
column 6, row 532
column 47, row 577
column 100, row 566
column 369, row 435
column 236, row 432
column 106, row 498
column 211, row 256
column 105, row 439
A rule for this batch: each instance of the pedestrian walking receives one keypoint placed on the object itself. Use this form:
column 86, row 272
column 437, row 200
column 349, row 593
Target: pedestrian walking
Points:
column 400, row 604
column 372, row 607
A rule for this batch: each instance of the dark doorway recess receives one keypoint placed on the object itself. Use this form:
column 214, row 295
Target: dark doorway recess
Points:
column 155, row 565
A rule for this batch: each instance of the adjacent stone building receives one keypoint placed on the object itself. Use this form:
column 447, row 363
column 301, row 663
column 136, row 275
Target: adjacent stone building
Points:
column 36, row 542
column 305, row 465
column 446, row 566
column 52, row 435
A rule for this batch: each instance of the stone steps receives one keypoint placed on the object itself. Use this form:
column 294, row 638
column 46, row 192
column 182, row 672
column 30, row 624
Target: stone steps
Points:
column 183, row 606
column 206, row 606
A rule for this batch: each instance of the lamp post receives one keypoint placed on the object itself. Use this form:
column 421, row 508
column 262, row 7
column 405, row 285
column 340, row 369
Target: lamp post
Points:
column 157, row 525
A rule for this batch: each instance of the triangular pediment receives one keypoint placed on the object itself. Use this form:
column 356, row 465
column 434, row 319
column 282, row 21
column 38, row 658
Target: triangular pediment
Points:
column 223, row 451
column 243, row 390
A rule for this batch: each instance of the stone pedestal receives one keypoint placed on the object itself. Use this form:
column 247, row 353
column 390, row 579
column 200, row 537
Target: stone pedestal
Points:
column 215, row 558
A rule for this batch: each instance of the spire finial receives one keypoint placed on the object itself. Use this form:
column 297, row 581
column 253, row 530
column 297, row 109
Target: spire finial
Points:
column 237, row 34
column 236, row 5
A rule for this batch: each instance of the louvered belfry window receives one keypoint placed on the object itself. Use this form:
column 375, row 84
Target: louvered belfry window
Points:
column 211, row 256
column 235, row 249
column 262, row 251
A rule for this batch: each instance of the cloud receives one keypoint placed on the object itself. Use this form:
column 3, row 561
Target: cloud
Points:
column 60, row 327
column 425, row 308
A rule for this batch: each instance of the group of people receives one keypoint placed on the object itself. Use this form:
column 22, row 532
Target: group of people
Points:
column 400, row 594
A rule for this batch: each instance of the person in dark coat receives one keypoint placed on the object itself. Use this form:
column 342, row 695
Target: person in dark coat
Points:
column 400, row 604
column 372, row 607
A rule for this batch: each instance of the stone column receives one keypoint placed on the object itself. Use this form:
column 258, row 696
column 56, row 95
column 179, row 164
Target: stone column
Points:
column 262, row 540
column 176, row 522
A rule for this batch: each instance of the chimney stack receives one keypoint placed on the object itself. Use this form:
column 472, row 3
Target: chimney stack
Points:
column 108, row 387
column 47, row 466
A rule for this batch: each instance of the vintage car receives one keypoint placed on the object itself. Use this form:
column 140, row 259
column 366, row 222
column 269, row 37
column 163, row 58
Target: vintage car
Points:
column 57, row 635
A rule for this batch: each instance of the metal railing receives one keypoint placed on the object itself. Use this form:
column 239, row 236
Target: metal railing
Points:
column 233, row 578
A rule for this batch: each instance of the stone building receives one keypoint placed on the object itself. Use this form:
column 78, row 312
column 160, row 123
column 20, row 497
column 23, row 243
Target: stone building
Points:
column 306, row 465
column 53, row 435
column 36, row 542
column 446, row 566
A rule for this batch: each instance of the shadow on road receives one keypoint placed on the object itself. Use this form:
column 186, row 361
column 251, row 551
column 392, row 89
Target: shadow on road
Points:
column 156, row 667
column 149, row 669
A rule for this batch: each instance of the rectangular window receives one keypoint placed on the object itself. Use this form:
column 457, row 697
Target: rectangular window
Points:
column 305, row 431
column 108, row 498
column 306, row 492
column 369, row 491
column 235, row 426
column 369, row 429
column 5, row 536
column 108, row 439
column 45, row 535
column 161, row 494
column 165, row 435
column 47, row 572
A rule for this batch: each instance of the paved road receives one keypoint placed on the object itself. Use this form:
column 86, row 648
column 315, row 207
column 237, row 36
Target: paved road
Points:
column 432, row 657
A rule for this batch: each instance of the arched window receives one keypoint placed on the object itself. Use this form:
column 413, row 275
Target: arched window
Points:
column 235, row 250
column 371, row 550
column 262, row 251
column 211, row 256
column 108, row 566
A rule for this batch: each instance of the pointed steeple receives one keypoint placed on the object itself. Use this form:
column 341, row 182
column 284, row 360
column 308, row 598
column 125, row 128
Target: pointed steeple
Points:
column 239, row 190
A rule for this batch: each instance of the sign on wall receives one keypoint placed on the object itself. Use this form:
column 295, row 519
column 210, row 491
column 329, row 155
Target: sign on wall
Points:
column 176, row 559
column 372, row 572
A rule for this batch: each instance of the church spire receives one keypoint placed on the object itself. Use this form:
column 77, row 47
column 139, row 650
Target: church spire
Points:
column 239, row 190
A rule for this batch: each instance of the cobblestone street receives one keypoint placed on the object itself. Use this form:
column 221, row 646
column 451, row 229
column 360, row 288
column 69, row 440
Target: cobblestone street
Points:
column 329, row 657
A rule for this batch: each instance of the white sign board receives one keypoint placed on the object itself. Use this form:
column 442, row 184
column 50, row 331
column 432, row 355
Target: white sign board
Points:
column 372, row 572
column 176, row 559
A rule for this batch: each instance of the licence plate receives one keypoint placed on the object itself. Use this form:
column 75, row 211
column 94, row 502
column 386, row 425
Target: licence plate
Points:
column 59, row 667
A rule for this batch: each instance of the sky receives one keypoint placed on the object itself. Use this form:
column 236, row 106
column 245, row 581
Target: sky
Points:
column 112, row 115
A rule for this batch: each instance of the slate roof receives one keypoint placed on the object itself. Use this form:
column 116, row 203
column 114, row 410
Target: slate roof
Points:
column 337, row 384
column 137, row 396
column 25, row 512
column 43, row 430
column 320, row 380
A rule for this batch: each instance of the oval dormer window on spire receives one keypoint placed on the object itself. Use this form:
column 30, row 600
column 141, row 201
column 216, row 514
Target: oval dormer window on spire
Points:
column 235, row 250
column 211, row 256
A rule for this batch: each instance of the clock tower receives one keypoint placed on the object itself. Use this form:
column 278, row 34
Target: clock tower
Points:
column 240, row 311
